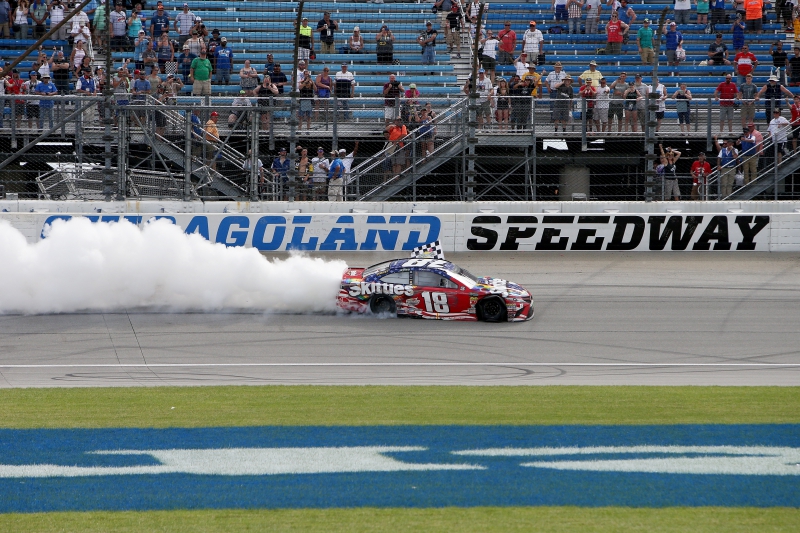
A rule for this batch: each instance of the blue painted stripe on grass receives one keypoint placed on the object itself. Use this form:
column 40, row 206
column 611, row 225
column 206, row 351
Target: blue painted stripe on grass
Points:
column 501, row 481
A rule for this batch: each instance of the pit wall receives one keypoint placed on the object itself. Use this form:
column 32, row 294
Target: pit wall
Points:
column 400, row 227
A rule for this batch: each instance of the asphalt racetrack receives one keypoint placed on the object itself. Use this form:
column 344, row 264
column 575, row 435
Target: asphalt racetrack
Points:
column 601, row 319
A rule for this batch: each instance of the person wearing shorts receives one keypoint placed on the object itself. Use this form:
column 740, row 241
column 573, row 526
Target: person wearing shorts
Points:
column 617, row 104
column 683, row 99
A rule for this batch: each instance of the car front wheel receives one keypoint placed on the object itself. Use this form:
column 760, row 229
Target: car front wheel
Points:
column 492, row 309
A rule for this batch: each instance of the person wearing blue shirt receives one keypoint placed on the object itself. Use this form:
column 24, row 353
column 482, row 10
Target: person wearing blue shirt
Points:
column 737, row 29
column 280, row 169
column 336, row 179
column 673, row 37
column 717, row 13
column 159, row 23
column 46, row 88
column 185, row 64
column 224, row 57
column 197, row 134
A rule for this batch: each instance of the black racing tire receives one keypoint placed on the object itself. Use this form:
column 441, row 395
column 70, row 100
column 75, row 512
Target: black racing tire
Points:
column 492, row 309
column 380, row 304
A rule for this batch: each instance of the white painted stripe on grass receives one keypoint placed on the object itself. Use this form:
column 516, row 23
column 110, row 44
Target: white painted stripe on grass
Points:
column 243, row 462
column 730, row 460
column 193, row 365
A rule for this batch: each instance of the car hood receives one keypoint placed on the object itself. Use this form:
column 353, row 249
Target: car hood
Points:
column 503, row 287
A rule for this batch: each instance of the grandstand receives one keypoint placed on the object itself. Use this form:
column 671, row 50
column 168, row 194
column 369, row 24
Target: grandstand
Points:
column 255, row 28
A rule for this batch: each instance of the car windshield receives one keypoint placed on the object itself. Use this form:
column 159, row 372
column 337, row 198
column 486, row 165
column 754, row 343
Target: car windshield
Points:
column 377, row 268
column 463, row 272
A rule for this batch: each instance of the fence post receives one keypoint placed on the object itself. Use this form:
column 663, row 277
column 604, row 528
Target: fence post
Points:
column 775, row 168
column 335, row 131
column 708, row 126
column 533, row 146
column 584, row 144
column 650, row 141
column 187, row 155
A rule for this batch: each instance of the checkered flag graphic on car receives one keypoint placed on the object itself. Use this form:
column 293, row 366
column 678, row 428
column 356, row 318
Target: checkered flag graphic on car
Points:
column 433, row 249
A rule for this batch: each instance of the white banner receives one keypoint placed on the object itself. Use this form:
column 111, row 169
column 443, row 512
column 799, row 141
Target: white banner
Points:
column 468, row 232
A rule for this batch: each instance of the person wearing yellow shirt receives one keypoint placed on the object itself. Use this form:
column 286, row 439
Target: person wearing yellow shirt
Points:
column 536, row 90
column 592, row 74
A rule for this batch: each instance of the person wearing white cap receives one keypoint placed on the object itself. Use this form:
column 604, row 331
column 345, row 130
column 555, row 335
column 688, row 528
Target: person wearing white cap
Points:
column 185, row 63
column 727, row 159
column 485, row 91
column 344, row 84
column 356, row 42
column 347, row 160
column 521, row 64
column 183, row 24
column 46, row 88
column 672, row 39
column 305, row 40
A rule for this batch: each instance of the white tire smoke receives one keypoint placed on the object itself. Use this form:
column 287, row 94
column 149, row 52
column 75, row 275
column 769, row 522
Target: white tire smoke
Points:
column 106, row 267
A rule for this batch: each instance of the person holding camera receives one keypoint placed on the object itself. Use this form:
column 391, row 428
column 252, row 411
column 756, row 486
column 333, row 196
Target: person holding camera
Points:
column 670, row 172
column 391, row 95
column 385, row 46
column 700, row 170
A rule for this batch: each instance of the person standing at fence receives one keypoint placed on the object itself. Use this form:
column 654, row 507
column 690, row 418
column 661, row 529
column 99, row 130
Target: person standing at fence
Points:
column 747, row 97
column 616, row 105
column 683, row 101
column 46, row 88
column 319, row 174
column 795, row 109
column 727, row 159
column 773, row 93
column 336, row 178
column 778, row 129
column 31, row 106
column 200, row 75
column 602, row 100
column 751, row 145
column 280, row 170
column 396, row 148
column 508, row 43
column 700, row 172
column 725, row 94
column 671, row 187
column 86, row 86
column 347, row 161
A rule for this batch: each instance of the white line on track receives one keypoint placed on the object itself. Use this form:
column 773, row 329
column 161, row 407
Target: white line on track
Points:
column 194, row 365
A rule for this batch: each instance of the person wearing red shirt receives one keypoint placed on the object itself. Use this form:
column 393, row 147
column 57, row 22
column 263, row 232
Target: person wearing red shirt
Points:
column 726, row 94
column 508, row 43
column 14, row 86
column 615, row 30
column 795, row 121
column 589, row 93
column 744, row 63
column 700, row 170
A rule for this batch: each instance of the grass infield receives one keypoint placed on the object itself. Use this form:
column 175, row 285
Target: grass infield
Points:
column 391, row 405
column 478, row 519
column 376, row 405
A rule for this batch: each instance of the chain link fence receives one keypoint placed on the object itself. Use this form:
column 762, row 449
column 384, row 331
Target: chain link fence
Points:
column 143, row 123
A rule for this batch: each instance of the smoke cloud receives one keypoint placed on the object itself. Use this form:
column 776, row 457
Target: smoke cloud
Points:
column 106, row 267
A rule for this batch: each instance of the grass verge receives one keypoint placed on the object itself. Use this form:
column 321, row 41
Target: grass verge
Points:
column 391, row 405
column 478, row 519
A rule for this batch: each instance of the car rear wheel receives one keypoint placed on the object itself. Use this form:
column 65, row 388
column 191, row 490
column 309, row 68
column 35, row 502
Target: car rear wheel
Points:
column 492, row 309
column 381, row 305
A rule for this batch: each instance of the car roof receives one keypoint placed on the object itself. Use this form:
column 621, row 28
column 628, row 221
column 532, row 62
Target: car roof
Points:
column 395, row 265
